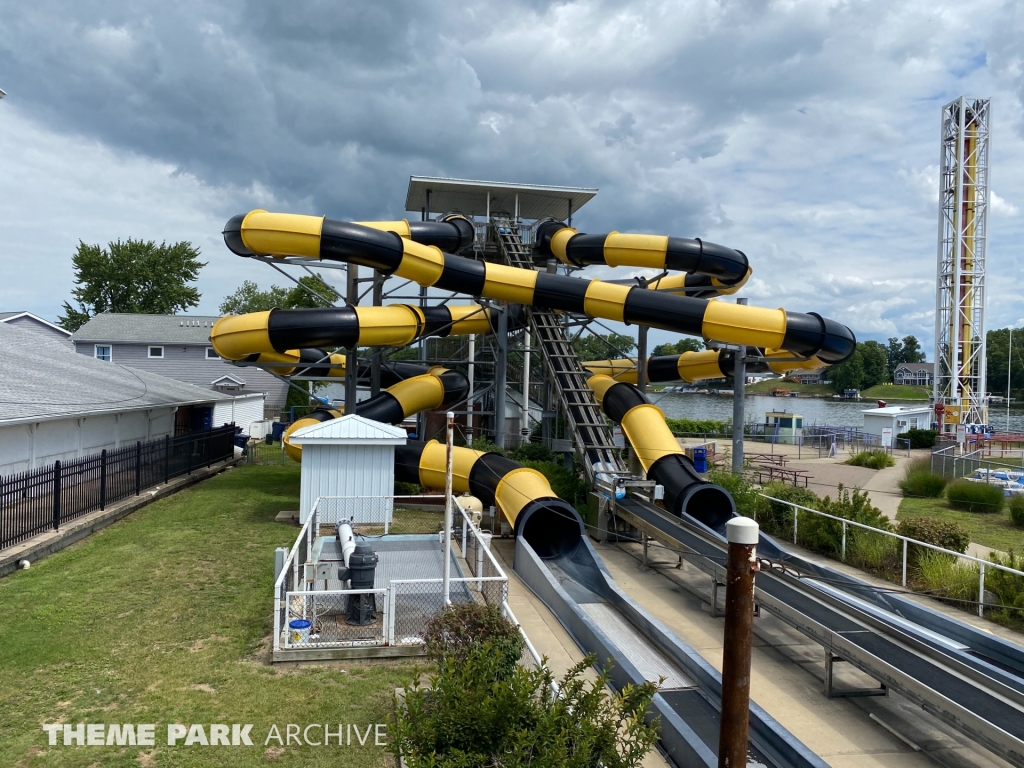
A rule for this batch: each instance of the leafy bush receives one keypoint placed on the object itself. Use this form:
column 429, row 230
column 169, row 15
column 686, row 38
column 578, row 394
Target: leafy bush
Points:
column 1017, row 510
column 743, row 492
column 775, row 517
column 566, row 485
column 948, row 576
column 933, row 530
column 483, row 444
column 975, row 497
column 919, row 480
column 470, row 716
column 533, row 452
column 874, row 459
column 455, row 631
column 919, row 438
column 874, row 552
column 407, row 489
column 1008, row 589
column 700, row 426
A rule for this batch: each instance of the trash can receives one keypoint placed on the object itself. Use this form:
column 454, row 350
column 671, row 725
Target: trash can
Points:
column 362, row 565
column 277, row 430
column 700, row 459
column 298, row 631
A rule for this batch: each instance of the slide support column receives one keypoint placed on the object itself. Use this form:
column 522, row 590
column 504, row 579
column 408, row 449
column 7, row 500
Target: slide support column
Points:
column 739, row 384
column 500, row 377
column 352, row 355
column 378, row 300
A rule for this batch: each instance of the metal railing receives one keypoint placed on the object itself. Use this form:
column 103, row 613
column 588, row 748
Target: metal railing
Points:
column 948, row 463
column 45, row 498
column 403, row 607
column 907, row 542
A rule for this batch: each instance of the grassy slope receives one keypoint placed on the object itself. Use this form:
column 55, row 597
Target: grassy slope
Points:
column 158, row 619
column 896, row 392
column 804, row 389
column 996, row 530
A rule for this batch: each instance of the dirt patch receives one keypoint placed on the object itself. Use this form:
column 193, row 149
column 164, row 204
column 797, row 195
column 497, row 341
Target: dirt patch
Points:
column 205, row 688
column 147, row 759
column 272, row 753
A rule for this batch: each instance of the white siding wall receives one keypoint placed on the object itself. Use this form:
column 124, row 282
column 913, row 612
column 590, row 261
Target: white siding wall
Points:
column 345, row 470
column 28, row 446
column 242, row 410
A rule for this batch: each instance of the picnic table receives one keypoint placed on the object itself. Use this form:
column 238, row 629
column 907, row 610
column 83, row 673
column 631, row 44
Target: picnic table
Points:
column 775, row 472
column 769, row 458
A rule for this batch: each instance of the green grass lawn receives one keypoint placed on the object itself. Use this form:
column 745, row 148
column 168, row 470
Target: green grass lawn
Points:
column 164, row 618
column 994, row 530
column 896, row 392
column 817, row 390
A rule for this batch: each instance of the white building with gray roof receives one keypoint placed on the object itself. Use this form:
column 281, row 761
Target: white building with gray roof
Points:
column 55, row 404
column 176, row 346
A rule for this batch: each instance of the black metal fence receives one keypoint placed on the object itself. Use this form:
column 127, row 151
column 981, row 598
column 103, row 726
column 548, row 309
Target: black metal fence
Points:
column 43, row 499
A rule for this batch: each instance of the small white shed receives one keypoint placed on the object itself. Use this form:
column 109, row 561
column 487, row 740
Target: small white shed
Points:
column 350, row 456
column 899, row 418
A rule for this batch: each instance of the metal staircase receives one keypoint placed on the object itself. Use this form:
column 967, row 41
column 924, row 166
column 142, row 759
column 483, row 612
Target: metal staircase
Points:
column 592, row 436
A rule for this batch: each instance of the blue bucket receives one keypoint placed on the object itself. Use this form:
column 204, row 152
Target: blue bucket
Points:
column 298, row 631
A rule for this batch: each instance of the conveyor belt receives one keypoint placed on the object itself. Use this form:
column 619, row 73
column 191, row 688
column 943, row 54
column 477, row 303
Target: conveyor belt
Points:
column 982, row 701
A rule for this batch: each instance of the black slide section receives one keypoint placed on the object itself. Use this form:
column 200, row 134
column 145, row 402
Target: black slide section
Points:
column 326, row 327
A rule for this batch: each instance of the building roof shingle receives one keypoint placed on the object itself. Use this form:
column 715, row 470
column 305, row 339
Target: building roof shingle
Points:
column 917, row 367
column 47, row 380
column 141, row 329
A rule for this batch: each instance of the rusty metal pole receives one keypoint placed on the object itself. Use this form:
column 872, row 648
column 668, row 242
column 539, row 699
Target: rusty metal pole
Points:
column 741, row 533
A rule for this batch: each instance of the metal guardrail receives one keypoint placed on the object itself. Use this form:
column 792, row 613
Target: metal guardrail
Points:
column 403, row 607
column 907, row 541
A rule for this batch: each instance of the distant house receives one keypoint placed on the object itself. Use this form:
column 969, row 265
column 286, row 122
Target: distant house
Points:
column 177, row 346
column 58, row 405
column 915, row 374
column 26, row 321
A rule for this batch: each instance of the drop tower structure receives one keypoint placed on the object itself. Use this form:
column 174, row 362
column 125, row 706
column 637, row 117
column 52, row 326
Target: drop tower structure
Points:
column 959, row 392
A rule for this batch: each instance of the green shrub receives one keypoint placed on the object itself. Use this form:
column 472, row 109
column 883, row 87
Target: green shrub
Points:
column 407, row 489
column 919, row 438
column 919, row 481
column 975, row 497
column 743, row 492
column 948, row 576
column 566, row 485
column 456, row 630
column 775, row 517
column 1017, row 510
column 874, row 459
column 1008, row 589
column 469, row 718
column 932, row 530
column 699, row 426
column 874, row 552
column 533, row 452
column 483, row 444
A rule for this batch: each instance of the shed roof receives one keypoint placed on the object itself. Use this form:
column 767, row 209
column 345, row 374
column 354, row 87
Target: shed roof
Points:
column 536, row 201
column 6, row 317
column 350, row 430
column 46, row 380
column 138, row 328
column 894, row 410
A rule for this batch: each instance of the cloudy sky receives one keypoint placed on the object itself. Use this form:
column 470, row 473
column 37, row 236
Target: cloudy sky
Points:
column 803, row 133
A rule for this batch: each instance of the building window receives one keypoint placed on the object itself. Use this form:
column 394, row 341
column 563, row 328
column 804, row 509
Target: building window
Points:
column 211, row 354
column 103, row 352
column 913, row 422
column 156, row 351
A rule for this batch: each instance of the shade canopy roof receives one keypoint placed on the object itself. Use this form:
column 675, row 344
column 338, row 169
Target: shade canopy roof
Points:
column 349, row 430
column 469, row 197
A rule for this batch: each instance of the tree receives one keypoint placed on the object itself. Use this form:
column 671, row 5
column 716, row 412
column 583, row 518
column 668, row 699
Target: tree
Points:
column 997, row 350
column 876, row 366
column 894, row 355
column 136, row 276
column 249, row 297
column 687, row 344
column 603, row 346
column 848, row 374
column 912, row 350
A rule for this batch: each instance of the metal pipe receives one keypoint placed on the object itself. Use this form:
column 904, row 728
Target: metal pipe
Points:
column 500, row 377
column 469, row 400
column 378, row 300
column 446, row 580
column 352, row 354
column 524, row 424
column 641, row 358
column 741, row 533
column 738, row 386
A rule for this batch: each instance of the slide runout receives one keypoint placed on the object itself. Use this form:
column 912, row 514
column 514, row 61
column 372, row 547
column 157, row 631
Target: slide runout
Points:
column 282, row 235
column 692, row 367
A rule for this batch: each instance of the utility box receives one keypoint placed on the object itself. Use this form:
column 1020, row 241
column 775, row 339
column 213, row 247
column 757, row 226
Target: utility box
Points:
column 350, row 457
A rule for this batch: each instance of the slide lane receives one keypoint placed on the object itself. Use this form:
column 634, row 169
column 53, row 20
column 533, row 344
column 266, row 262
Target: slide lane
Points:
column 692, row 367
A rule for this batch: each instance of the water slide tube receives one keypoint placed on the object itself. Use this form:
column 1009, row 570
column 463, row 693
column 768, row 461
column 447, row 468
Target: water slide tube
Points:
column 698, row 366
column 709, row 269
column 523, row 495
column 284, row 234
column 686, row 492
column 430, row 391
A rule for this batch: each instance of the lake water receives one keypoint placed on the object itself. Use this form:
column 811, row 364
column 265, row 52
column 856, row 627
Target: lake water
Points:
column 815, row 410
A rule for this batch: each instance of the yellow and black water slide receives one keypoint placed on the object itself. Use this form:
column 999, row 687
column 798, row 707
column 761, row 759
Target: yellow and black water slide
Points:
column 414, row 251
column 692, row 367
